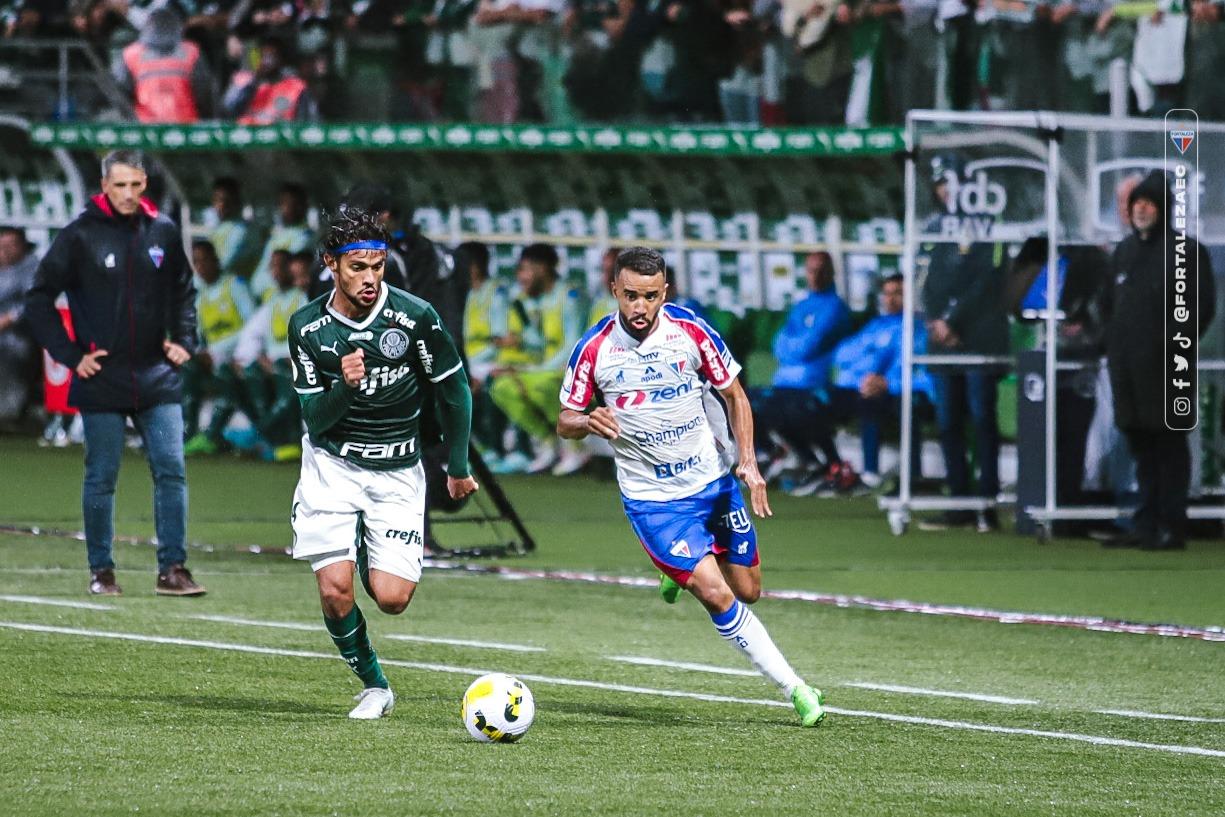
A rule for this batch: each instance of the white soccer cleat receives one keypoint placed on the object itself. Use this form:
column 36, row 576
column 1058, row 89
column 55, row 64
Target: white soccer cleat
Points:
column 372, row 704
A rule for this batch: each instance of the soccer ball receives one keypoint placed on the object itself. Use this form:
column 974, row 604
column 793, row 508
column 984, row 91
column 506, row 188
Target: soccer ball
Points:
column 498, row 708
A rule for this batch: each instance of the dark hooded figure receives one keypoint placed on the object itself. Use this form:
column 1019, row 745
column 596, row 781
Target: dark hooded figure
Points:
column 1135, row 352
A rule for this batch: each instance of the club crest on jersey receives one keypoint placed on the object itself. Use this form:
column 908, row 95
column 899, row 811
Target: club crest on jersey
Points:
column 1182, row 139
column 680, row 548
column 393, row 343
column 677, row 366
column 158, row 255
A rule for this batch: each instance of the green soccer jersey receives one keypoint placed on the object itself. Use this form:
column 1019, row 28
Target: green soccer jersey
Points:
column 404, row 342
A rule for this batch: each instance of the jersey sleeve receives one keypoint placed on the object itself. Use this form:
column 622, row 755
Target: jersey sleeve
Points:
column 715, row 361
column 434, row 348
column 578, row 383
column 303, row 364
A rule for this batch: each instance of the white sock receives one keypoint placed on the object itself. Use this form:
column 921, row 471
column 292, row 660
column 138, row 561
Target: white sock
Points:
column 740, row 628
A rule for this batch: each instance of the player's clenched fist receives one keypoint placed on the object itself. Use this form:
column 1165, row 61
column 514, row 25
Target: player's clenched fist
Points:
column 602, row 422
column 353, row 368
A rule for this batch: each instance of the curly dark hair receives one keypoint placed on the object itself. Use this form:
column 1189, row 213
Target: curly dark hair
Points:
column 642, row 260
column 349, row 224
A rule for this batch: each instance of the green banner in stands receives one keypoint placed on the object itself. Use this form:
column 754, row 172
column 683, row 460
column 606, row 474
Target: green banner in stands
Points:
column 672, row 141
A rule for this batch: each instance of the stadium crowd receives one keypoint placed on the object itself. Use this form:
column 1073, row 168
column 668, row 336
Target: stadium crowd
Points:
column 742, row 62
column 832, row 369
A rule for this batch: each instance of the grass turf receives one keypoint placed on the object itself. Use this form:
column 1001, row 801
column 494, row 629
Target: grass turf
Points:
column 97, row 726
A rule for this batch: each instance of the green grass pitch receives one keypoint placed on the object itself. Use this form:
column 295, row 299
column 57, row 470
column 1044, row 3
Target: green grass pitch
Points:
column 235, row 703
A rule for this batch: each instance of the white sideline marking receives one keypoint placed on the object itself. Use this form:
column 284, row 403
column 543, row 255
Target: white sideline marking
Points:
column 656, row 662
column 314, row 628
column 250, row 622
column 80, row 605
column 668, row 693
column 463, row 642
column 940, row 693
column 1129, row 713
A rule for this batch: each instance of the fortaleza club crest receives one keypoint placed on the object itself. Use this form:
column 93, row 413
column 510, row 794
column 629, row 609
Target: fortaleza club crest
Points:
column 393, row 343
column 1182, row 139
column 158, row 255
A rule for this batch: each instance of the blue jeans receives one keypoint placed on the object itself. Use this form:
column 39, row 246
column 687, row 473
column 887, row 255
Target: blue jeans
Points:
column 973, row 392
column 161, row 430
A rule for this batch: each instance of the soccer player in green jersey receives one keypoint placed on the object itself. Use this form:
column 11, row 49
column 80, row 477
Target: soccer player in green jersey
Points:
column 367, row 359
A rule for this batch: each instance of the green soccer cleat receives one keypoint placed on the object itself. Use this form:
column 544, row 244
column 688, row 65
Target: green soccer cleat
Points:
column 199, row 444
column 808, row 704
column 669, row 590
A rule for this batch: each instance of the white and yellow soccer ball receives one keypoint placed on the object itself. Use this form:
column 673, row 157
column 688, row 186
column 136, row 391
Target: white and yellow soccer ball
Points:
column 498, row 708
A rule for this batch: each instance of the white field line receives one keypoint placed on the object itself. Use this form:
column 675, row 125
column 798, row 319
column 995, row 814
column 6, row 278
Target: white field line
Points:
column 643, row 661
column 1131, row 713
column 314, row 628
column 669, row 693
column 80, row 605
column 941, row 693
column 463, row 642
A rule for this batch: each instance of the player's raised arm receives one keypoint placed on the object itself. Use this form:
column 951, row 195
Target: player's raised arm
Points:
column 741, row 416
column 322, row 407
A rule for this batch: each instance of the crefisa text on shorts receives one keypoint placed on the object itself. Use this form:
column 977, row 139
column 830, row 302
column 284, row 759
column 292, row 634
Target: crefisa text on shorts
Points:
column 1181, row 384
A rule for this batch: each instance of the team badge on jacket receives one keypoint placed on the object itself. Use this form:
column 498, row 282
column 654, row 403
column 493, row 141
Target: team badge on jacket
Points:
column 393, row 343
column 158, row 255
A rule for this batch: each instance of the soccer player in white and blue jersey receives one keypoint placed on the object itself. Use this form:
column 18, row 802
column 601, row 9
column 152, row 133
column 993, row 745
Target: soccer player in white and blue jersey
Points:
column 644, row 367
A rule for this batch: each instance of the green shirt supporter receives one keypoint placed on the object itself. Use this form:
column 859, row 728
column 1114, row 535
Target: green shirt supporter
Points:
column 223, row 308
column 375, row 425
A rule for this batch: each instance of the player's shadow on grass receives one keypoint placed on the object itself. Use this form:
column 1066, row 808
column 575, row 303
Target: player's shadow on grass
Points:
column 218, row 703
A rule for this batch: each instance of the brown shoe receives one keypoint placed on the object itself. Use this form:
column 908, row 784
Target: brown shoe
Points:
column 102, row 583
column 177, row 581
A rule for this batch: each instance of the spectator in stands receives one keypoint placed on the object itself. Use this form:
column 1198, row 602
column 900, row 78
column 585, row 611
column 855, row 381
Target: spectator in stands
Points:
column 451, row 56
column 803, row 348
column 39, row 18
column 290, row 233
column 820, row 31
column 963, row 298
column 268, row 396
column 166, row 76
column 224, row 305
column 546, row 320
column 705, row 47
column 486, row 314
column 121, row 259
column 234, row 239
column 606, row 39
column 273, row 93
column 1135, row 354
column 18, row 355
column 513, row 39
column 867, row 385
column 877, row 38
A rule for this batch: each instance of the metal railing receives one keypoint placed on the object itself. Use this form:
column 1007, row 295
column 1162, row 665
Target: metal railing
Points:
column 59, row 80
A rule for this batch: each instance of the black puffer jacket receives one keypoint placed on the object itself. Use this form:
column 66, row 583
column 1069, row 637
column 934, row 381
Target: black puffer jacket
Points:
column 1135, row 345
column 129, row 288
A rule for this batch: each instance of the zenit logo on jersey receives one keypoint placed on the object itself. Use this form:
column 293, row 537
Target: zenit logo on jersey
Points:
column 666, row 449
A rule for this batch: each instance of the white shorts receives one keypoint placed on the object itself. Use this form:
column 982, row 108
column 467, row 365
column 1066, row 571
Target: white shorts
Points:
column 337, row 502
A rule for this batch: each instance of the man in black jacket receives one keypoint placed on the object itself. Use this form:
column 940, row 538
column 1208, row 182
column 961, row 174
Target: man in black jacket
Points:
column 130, row 291
column 1135, row 350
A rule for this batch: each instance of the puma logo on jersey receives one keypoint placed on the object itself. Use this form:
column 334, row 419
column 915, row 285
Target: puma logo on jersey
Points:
column 324, row 347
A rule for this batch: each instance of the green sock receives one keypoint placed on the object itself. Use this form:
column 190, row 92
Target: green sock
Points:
column 349, row 635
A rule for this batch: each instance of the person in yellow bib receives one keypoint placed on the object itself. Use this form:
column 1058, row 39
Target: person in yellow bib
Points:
column 224, row 305
column 546, row 319
column 269, row 399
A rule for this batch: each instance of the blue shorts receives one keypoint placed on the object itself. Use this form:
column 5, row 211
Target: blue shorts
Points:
column 679, row 533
